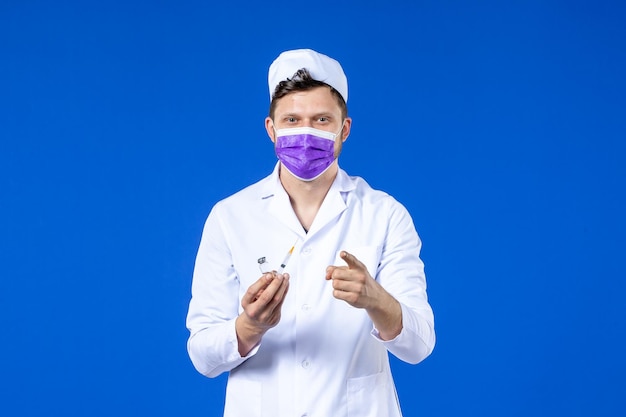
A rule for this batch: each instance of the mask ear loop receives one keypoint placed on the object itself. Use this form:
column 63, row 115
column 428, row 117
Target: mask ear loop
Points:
column 274, row 129
column 340, row 133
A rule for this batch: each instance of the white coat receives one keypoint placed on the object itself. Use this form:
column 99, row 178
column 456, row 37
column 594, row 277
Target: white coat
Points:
column 324, row 358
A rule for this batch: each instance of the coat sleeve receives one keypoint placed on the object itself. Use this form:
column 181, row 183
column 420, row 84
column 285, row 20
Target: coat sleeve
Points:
column 401, row 273
column 214, row 306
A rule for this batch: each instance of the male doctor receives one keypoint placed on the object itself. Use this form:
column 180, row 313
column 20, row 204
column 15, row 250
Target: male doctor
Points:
column 306, row 280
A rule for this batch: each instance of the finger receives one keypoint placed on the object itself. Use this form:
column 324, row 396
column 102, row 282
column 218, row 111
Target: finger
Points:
column 349, row 297
column 351, row 260
column 274, row 305
column 257, row 288
column 339, row 273
column 280, row 296
column 329, row 272
column 267, row 295
column 346, row 286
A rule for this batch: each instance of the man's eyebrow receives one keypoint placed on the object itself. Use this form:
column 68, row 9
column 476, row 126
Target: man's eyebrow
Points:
column 289, row 114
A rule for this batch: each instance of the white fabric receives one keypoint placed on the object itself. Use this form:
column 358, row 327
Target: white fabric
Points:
column 307, row 130
column 324, row 358
column 321, row 67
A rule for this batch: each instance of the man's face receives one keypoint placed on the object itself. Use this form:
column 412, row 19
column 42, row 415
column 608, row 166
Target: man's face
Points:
column 316, row 108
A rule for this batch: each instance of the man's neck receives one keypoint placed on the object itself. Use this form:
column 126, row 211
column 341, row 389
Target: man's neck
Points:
column 306, row 197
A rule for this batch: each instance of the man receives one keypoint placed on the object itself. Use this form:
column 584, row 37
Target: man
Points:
column 305, row 280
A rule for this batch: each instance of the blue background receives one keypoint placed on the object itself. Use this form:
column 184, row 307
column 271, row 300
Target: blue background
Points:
column 499, row 125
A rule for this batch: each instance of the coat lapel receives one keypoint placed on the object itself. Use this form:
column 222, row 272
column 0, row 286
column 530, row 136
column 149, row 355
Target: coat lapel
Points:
column 333, row 205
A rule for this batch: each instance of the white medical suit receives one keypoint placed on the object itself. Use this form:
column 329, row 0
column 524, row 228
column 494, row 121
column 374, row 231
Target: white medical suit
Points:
column 324, row 358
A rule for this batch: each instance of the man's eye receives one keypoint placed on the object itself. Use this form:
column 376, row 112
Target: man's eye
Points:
column 323, row 119
column 291, row 119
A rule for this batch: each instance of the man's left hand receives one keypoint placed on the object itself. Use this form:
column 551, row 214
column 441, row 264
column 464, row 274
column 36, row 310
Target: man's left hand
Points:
column 353, row 283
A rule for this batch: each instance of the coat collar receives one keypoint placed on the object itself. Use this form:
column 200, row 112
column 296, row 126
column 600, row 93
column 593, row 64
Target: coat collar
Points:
column 280, row 207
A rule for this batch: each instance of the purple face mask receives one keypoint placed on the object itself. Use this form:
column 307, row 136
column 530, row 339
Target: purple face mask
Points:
column 305, row 152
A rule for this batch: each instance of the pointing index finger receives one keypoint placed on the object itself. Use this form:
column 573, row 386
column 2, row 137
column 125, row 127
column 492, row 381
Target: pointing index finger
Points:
column 351, row 260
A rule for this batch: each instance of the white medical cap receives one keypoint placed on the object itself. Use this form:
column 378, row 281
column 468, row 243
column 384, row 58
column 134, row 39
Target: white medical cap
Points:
column 321, row 67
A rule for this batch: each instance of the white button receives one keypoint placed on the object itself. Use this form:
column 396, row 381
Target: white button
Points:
column 306, row 307
column 305, row 364
column 306, row 250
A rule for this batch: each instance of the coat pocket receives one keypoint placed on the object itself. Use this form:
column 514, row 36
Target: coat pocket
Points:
column 372, row 396
column 243, row 398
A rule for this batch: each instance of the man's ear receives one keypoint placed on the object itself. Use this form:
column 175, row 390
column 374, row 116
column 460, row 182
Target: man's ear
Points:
column 269, row 128
column 345, row 132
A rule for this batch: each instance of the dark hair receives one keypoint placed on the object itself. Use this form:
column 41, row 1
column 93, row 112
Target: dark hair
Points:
column 302, row 81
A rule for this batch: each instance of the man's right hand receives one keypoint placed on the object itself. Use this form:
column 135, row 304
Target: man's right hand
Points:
column 261, row 309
